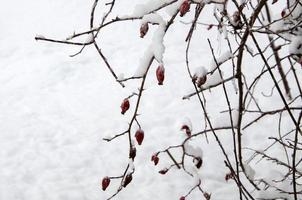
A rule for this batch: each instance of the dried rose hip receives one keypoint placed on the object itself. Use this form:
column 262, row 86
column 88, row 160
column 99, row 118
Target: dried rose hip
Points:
column 105, row 183
column 144, row 29
column 155, row 159
column 139, row 136
column 125, row 106
column 160, row 74
column 184, row 8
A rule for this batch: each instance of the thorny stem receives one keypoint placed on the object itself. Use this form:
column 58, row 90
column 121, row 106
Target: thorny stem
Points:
column 230, row 115
column 294, row 158
column 239, row 74
column 276, row 83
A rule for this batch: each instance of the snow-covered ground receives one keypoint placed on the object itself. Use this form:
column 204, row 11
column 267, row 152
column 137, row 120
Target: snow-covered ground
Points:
column 55, row 110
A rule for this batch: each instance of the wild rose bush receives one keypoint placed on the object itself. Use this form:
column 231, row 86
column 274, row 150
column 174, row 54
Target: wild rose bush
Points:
column 267, row 31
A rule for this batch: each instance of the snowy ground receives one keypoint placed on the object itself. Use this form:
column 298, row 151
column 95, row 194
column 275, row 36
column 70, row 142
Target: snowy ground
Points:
column 55, row 110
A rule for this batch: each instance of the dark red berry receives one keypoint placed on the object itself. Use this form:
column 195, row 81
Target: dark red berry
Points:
column 139, row 135
column 186, row 129
column 105, row 183
column 163, row 171
column 160, row 74
column 155, row 159
column 283, row 13
column 199, row 80
column 184, row 8
column 198, row 163
column 144, row 29
column 182, row 198
column 127, row 180
column 207, row 196
column 125, row 105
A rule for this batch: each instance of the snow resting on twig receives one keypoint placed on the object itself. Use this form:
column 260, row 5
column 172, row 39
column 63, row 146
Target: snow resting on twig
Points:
column 146, row 8
column 156, row 47
column 221, row 59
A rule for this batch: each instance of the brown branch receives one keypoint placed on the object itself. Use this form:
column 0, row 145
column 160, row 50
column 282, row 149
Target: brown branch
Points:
column 239, row 72
column 276, row 83
column 294, row 158
column 277, row 57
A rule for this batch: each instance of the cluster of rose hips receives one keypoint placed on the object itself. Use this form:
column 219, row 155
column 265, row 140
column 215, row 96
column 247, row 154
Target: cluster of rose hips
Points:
column 139, row 134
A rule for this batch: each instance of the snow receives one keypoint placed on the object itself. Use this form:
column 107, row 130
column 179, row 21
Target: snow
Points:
column 200, row 71
column 131, row 165
column 153, row 18
column 143, row 9
column 170, row 10
column 295, row 45
column 250, row 172
column 225, row 32
column 144, row 63
column 186, row 121
column 221, row 59
column 224, row 119
column 156, row 47
column 213, row 79
column 121, row 76
column 40, row 36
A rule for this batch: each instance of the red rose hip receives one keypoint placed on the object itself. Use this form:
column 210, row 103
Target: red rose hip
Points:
column 139, row 136
column 105, row 183
column 144, row 29
column 155, row 159
column 184, row 8
column 127, row 180
column 125, row 106
column 160, row 74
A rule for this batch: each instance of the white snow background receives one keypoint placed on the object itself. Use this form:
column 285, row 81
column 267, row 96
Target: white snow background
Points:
column 55, row 110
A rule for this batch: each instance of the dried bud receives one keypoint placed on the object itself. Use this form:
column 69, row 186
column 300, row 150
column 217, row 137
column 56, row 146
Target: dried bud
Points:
column 283, row 13
column 236, row 17
column 155, row 159
column 274, row 1
column 139, row 135
column 200, row 80
column 200, row 76
column 160, row 74
column 198, row 163
column 184, row 8
column 207, row 196
column 132, row 153
column 144, row 29
column 125, row 105
column 229, row 176
column 105, row 183
column 127, row 180
column 182, row 198
column 187, row 129
column 163, row 171
column 236, row 20
column 210, row 27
